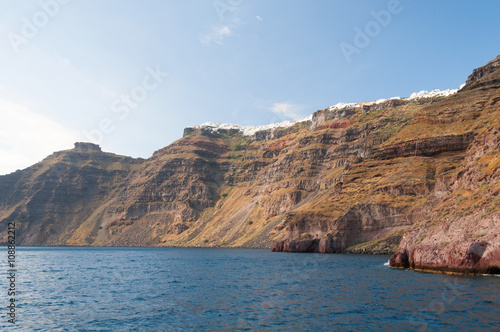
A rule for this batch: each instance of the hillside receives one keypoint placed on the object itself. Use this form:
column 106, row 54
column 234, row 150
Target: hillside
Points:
column 418, row 176
column 459, row 232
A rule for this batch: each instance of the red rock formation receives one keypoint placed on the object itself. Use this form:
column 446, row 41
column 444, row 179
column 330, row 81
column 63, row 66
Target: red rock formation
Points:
column 460, row 233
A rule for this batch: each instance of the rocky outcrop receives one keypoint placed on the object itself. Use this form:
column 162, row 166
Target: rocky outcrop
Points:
column 479, row 73
column 424, row 146
column 322, row 116
column 87, row 147
column 362, row 223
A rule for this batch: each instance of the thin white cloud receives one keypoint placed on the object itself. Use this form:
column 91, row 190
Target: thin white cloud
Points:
column 27, row 137
column 78, row 75
column 259, row 18
column 216, row 35
column 287, row 110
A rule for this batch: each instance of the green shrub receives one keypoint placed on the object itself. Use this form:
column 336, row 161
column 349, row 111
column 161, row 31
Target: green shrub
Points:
column 421, row 239
column 239, row 147
column 477, row 236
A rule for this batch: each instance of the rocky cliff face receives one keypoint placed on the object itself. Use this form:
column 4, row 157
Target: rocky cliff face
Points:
column 460, row 228
column 460, row 231
column 56, row 198
column 362, row 178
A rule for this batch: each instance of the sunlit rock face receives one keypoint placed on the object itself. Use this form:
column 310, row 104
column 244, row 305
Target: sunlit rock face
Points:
column 417, row 176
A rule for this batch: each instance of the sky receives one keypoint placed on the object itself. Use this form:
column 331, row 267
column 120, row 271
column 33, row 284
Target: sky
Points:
column 130, row 75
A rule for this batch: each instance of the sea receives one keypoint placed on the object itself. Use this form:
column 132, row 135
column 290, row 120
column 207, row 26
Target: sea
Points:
column 199, row 289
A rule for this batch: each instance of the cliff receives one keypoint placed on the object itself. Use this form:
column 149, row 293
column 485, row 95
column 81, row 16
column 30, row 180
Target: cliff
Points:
column 459, row 232
column 58, row 197
column 397, row 175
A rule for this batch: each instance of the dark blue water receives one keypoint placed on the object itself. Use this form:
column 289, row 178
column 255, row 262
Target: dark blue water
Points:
column 113, row 289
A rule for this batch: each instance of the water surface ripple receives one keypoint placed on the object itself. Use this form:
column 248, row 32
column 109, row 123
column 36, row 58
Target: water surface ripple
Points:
column 149, row 289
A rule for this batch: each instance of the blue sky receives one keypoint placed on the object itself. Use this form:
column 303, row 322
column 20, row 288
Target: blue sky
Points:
column 130, row 75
